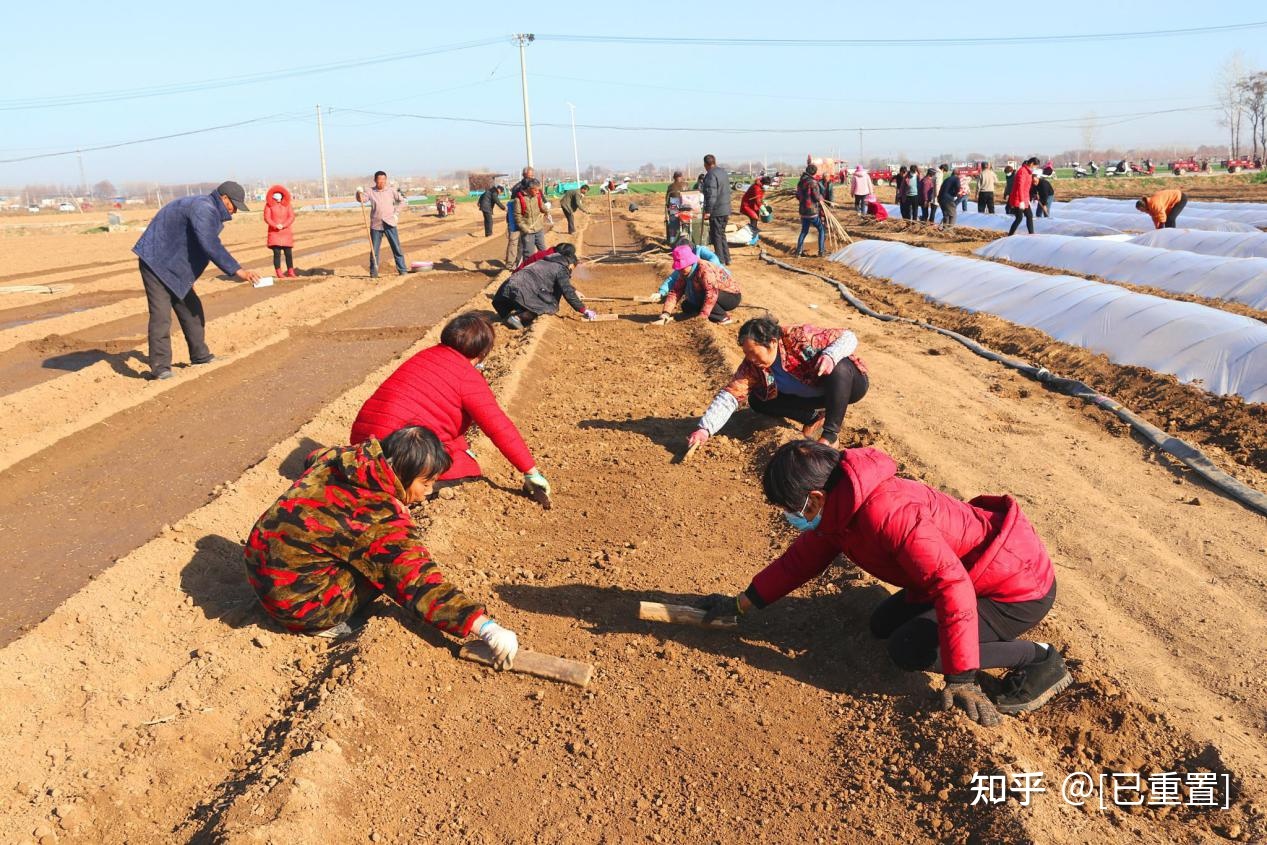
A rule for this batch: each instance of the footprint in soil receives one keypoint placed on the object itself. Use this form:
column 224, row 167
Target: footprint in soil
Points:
column 671, row 432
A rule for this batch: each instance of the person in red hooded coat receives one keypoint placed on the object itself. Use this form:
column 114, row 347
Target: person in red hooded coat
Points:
column 440, row 388
column 974, row 575
column 280, row 219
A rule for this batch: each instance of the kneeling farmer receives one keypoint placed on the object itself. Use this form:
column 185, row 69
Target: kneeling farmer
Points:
column 974, row 575
column 342, row 535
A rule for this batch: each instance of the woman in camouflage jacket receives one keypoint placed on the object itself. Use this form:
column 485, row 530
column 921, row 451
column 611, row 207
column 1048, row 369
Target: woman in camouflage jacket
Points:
column 342, row 535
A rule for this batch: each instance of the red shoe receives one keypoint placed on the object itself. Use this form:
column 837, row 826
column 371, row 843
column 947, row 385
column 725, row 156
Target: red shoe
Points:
column 291, row 273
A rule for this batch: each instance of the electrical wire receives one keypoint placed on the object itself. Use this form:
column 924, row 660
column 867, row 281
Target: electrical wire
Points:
column 853, row 43
column 272, row 118
column 232, row 81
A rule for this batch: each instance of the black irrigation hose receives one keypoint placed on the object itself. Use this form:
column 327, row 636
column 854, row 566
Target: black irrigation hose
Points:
column 1185, row 452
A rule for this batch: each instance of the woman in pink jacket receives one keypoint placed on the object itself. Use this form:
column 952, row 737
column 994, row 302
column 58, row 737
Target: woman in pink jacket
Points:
column 280, row 219
column 974, row 575
column 860, row 187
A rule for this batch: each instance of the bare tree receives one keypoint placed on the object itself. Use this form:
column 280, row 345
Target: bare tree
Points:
column 1253, row 89
column 1228, row 94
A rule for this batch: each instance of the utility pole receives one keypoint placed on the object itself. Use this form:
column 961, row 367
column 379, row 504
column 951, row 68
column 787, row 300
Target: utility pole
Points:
column 576, row 156
column 524, row 39
column 83, row 181
column 859, row 145
column 321, row 142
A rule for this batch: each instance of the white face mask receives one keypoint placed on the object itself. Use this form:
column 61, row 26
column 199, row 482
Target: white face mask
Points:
column 277, row 197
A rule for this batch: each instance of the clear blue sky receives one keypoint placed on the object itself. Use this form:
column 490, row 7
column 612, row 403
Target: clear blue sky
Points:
column 81, row 47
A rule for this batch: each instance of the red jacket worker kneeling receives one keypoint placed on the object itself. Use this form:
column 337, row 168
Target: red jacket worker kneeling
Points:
column 441, row 389
column 974, row 575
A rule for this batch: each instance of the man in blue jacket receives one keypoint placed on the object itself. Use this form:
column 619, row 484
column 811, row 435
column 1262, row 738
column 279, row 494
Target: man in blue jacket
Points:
column 177, row 246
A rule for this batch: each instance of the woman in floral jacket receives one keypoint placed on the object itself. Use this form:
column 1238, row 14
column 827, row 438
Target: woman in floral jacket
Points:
column 802, row 373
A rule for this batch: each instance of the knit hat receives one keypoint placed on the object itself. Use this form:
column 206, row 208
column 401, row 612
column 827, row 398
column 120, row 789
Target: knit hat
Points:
column 683, row 257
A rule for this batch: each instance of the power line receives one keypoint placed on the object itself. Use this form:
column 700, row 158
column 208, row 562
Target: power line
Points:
column 1072, row 38
column 747, row 130
column 232, row 81
column 844, row 101
column 265, row 119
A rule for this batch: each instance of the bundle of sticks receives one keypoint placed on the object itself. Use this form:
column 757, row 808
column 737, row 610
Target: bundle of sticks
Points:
column 837, row 237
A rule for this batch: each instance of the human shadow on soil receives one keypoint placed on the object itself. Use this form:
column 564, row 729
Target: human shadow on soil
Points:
column 671, row 432
column 823, row 640
column 82, row 359
column 215, row 578
column 294, row 464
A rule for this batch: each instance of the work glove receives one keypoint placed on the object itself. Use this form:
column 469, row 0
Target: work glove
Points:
column 502, row 642
column 697, row 437
column 663, row 320
column 536, row 479
column 590, row 314
column 970, row 698
column 656, row 297
column 719, row 606
column 825, row 365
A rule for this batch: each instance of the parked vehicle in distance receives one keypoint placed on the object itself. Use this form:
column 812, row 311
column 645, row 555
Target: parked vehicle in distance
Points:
column 881, row 176
column 66, row 206
column 32, row 209
column 1242, row 163
column 1187, row 165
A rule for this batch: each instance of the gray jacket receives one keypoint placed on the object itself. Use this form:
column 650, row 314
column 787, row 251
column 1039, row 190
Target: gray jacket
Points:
column 717, row 192
column 539, row 286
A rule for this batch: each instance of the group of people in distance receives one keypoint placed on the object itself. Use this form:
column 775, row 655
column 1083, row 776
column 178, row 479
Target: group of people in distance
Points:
column 972, row 577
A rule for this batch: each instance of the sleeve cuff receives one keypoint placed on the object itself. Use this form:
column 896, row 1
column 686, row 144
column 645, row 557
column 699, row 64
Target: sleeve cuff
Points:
column 755, row 597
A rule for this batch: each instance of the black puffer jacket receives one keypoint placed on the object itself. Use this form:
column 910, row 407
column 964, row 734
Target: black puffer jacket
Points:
column 539, row 286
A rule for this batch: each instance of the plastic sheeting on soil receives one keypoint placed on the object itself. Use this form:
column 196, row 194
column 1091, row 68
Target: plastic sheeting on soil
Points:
column 1234, row 279
column 1220, row 352
column 1227, row 244
column 1138, row 221
column 1248, row 218
column 1253, row 213
column 999, row 223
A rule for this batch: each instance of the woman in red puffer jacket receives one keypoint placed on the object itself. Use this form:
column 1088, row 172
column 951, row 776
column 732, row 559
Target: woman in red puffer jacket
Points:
column 441, row 389
column 974, row 575
column 280, row 219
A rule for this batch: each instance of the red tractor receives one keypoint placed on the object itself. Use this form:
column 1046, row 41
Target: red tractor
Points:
column 968, row 171
column 881, row 176
column 1242, row 163
column 1185, row 165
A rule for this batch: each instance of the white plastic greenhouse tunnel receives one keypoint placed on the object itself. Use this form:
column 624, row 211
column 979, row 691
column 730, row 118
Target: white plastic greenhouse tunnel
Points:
column 1001, row 223
column 1241, row 280
column 1229, row 244
column 1253, row 213
column 1219, row 352
column 1138, row 221
column 1189, row 213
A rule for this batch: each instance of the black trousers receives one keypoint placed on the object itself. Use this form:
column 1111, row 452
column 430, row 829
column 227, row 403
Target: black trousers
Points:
column 277, row 256
column 193, row 322
column 717, row 236
column 1172, row 216
column 843, row 387
column 726, row 302
column 1023, row 212
column 488, row 224
column 911, row 631
column 985, row 202
column 569, row 214
column 1043, row 210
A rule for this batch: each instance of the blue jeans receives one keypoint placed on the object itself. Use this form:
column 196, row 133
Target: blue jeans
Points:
column 393, row 240
column 817, row 223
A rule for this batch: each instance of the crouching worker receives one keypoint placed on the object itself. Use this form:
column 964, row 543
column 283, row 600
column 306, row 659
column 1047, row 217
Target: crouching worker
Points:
column 442, row 389
column 701, row 287
column 974, row 575
column 704, row 253
column 537, row 289
column 800, row 373
column 342, row 535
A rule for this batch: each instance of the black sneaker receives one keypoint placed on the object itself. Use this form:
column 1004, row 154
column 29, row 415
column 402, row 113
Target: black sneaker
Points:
column 1033, row 686
column 206, row 360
